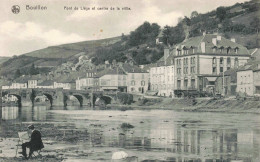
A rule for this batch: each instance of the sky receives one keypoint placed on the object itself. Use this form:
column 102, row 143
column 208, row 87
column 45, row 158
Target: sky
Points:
column 31, row 30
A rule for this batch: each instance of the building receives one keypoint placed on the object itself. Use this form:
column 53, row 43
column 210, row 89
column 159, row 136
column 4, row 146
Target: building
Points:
column 200, row 60
column 230, row 83
column 248, row 79
column 112, row 79
column 137, row 78
column 86, row 81
column 162, row 75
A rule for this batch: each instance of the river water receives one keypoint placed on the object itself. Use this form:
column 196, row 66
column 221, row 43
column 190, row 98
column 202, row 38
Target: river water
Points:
column 84, row 134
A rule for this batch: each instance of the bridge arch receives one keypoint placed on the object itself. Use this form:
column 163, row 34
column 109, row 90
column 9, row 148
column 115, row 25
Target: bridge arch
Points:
column 79, row 98
column 47, row 95
column 19, row 97
column 107, row 99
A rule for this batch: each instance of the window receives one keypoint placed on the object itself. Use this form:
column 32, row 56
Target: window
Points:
column 192, row 70
column 178, row 52
column 228, row 50
column 214, row 70
column 221, row 61
column 132, row 82
column 214, row 60
column 221, row 69
column 133, row 76
column 192, row 83
column 186, row 83
column 236, row 50
column 236, row 62
column 221, row 49
column 178, row 70
column 178, row 84
column 228, row 60
column 214, row 49
column 143, row 83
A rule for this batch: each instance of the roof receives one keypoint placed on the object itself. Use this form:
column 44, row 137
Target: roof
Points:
column 253, row 65
column 111, row 71
column 160, row 35
column 195, row 42
column 132, row 68
column 255, row 53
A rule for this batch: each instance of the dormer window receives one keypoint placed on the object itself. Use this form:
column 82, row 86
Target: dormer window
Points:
column 221, row 49
column 236, row 50
column 228, row 50
column 214, row 49
column 192, row 49
column 185, row 50
column 178, row 52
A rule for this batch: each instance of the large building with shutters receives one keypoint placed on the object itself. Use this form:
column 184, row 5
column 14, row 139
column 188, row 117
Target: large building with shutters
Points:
column 200, row 60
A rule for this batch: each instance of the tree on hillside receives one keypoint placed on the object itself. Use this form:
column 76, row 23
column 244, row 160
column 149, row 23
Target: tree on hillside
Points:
column 227, row 25
column 255, row 24
column 144, row 34
column 173, row 35
column 166, row 34
column 194, row 14
column 17, row 74
column 187, row 21
column 221, row 13
column 33, row 70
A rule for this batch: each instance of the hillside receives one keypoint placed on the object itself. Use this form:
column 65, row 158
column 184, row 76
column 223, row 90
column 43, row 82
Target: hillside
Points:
column 4, row 59
column 58, row 54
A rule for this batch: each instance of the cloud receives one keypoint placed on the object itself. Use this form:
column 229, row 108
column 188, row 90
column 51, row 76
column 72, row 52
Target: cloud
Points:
column 32, row 31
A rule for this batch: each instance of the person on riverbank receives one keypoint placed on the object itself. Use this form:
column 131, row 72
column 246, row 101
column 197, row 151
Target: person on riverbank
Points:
column 34, row 144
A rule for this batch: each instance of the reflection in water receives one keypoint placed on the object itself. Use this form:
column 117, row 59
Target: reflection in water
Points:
column 9, row 113
column 195, row 140
column 39, row 113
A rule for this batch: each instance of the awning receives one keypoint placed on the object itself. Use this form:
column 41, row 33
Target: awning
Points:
column 211, row 79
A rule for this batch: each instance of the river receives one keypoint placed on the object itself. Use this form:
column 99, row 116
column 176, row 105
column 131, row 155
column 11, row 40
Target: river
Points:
column 84, row 134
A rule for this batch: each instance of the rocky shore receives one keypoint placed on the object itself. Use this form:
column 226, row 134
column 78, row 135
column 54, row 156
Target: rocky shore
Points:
column 232, row 105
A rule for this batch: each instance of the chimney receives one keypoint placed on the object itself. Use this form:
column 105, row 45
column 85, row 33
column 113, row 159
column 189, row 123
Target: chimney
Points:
column 219, row 37
column 166, row 54
column 233, row 40
column 203, row 47
column 214, row 41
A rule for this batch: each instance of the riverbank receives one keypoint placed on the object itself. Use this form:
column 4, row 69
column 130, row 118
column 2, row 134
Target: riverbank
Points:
column 230, row 105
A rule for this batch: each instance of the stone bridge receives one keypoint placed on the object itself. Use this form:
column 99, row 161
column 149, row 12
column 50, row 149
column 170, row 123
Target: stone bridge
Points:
column 58, row 97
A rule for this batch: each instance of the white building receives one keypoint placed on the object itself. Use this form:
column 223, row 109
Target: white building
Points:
column 137, row 78
column 248, row 79
column 162, row 75
column 86, row 81
column 61, row 85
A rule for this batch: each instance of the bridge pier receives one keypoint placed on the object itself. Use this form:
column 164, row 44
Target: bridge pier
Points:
column 26, row 102
column 92, row 100
column 26, row 98
column 58, row 99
